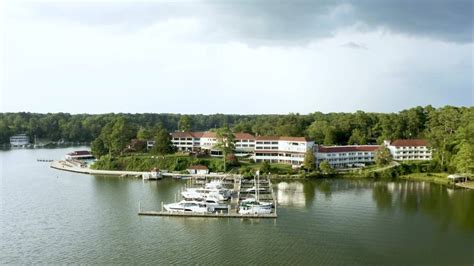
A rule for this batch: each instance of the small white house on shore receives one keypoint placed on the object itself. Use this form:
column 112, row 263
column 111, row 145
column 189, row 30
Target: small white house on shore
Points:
column 198, row 169
column 456, row 178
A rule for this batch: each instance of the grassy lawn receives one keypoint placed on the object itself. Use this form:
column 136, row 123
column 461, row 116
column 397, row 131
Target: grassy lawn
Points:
column 440, row 178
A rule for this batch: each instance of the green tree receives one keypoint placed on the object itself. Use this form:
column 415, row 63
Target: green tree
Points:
column 98, row 148
column 265, row 167
column 463, row 161
column 326, row 167
column 442, row 127
column 383, row 156
column 184, row 123
column 225, row 142
column 309, row 160
column 163, row 143
column 329, row 136
column 144, row 133
column 357, row 137
column 122, row 132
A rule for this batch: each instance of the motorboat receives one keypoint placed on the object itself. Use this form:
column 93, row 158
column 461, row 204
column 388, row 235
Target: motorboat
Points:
column 212, row 189
column 253, row 206
column 187, row 206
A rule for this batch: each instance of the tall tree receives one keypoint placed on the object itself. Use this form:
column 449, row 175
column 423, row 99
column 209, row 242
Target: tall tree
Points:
column 163, row 143
column 122, row 132
column 442, row 127
column 357, row 137
column 184, row 123
column 383, row 156
column 309, row 161
column 98, row 148
column 144, row 133
column 225, row 142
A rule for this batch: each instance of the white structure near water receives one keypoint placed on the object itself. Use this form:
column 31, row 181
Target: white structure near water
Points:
column 287, row 150
column 346, row 156
column 20, row 140
column 409, row 149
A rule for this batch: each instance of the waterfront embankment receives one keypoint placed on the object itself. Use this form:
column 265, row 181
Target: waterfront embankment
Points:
column 78, row 168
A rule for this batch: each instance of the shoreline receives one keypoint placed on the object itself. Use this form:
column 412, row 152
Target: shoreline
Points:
column 436, row 178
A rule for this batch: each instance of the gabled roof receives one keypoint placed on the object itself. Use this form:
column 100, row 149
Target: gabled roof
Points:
column 284, row 138
column 76, row 153
column 329, row 149
column 179, row 134
column 198, row 167
column 409, row 142
column 243, row 135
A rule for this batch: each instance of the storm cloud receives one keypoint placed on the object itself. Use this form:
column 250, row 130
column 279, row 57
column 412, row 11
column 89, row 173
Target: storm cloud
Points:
column 283, row 22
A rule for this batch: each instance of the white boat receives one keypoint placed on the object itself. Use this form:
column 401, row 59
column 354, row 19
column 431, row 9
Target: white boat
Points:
column 187, row 206
column 212, row 189
column 253, row 189
column 253, row 205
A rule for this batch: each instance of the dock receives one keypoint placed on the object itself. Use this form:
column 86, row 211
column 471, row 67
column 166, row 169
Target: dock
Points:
column 227, row 210
column 206, row 215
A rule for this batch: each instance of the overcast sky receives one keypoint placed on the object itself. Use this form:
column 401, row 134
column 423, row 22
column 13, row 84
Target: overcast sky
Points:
column 235, row 56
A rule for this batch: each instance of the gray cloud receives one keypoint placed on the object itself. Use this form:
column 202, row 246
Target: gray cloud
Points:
column 280, row 22
column 354, row 45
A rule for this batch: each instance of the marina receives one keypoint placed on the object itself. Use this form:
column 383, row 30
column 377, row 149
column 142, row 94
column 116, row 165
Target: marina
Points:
column 256, row 203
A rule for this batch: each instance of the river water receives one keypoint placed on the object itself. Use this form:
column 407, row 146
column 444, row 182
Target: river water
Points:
column 49, row 216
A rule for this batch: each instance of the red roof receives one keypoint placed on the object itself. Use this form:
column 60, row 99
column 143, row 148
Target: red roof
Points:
column 198, row 167
column 327, row 149
column 284, row 138
column 181, row 135
column 409, row 142
column 242, row 135
column 76, row 153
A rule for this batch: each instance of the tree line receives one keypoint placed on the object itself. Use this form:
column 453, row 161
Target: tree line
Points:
column 450, row 130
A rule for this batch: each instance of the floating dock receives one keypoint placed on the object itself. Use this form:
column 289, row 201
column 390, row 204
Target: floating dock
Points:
column 206, row 215
column 230, row 211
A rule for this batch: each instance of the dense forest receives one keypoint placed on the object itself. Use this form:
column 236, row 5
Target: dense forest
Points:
column 449, row 129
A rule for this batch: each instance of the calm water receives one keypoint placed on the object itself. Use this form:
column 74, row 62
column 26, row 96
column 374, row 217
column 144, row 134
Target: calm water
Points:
column 49, row 216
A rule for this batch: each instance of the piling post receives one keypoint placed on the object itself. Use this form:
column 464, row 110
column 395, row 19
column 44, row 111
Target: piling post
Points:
column 139, row 207
column 162, row 206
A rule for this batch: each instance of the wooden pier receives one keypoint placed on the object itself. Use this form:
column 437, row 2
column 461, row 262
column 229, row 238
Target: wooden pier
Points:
column 206, row 215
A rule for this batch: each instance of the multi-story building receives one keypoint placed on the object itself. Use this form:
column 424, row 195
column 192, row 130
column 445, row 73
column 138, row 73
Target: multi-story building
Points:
column 20, row 140
column 195, row 141
column 409, row 149
column 291, row 150
column 186, row 141
column 288, row 150
column 346, row 156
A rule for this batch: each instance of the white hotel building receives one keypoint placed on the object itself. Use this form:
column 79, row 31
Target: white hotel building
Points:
column 291, row 150
column 288, row 150
column 346, row 156
column 195, row 141
column 409, row 149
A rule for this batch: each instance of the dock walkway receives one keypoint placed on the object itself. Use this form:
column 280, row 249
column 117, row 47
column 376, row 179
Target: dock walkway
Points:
column 207, row 215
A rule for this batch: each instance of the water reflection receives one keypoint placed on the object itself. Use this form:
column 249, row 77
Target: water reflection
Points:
column 445, row 204
column 291, row 194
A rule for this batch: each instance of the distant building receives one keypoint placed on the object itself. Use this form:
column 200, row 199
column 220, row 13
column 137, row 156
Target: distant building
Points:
column 409, row 149
column 19, row 140
column 80, row 155
column 346, row 156
column 196, row 141
column 287, row 150
column 198, row 169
